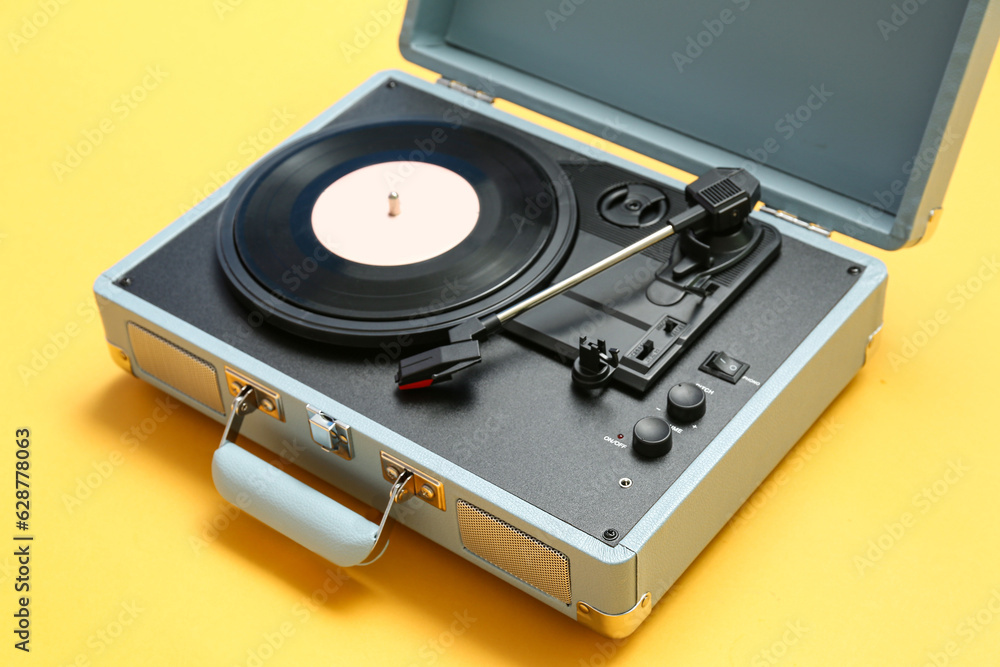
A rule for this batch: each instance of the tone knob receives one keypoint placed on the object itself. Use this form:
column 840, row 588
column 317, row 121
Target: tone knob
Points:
column 652, row 437
column 685, row 403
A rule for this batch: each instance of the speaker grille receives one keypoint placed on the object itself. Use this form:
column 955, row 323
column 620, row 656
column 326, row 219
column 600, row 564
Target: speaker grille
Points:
column 176, row 367
column 517, row 553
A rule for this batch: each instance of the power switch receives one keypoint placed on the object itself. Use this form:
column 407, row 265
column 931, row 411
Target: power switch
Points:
column 724, row 366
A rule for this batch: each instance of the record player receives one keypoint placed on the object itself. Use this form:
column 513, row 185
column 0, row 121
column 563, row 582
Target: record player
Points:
column 564, row 367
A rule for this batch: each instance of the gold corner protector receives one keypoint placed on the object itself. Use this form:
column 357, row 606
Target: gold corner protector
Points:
column 933, row 222
column 873, row 344
column 120, row 357
column 615, row 626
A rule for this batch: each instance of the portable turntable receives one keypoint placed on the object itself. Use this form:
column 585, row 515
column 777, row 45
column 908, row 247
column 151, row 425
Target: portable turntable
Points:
column 566, row 368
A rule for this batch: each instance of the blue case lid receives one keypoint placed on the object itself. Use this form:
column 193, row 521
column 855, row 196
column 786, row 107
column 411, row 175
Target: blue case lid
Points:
column 851, row 113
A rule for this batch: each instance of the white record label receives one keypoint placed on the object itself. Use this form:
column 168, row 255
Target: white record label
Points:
column 395, row 213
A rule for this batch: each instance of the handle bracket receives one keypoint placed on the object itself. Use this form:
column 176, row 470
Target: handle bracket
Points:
column 302, row 513
column 245, row 401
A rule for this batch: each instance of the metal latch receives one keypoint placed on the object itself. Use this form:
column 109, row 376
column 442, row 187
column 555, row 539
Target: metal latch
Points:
column 247, row 400
column 330, row 434
column 468, row 90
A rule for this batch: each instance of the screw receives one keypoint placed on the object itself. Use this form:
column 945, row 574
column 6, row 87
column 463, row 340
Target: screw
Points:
column 235, row 387
column 426, row 492
column 633, row 205
column 391, row 84
column 624, row 482
column 125, row 282
column 266, row 405
column 854, row 270
column 391, row 473
column 611, row 534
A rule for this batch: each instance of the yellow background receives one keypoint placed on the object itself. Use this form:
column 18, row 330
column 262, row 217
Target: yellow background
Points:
column 127, row 552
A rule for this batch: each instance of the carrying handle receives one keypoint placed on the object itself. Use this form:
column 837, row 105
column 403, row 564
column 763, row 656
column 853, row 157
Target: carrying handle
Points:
column 294, row 509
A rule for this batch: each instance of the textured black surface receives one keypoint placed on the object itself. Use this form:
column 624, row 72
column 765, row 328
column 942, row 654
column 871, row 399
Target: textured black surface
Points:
column 515, row 419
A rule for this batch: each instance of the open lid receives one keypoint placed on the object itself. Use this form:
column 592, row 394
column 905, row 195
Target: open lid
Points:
column 851, row 113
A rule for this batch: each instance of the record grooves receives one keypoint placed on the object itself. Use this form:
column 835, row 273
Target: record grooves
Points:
column 270, row 253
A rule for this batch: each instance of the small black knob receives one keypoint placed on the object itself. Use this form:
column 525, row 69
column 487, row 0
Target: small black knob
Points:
column 652, row 437
column 686, row 403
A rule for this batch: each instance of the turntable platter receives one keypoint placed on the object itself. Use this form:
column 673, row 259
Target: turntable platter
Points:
column 394, row 229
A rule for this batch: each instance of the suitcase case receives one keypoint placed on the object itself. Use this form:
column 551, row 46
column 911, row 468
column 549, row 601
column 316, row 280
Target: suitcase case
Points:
column 508, row 467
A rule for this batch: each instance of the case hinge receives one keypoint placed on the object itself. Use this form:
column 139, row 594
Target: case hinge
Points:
column 468, row 90
column 796, row 220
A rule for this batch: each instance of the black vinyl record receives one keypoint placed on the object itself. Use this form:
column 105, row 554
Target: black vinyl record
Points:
column 272, row 257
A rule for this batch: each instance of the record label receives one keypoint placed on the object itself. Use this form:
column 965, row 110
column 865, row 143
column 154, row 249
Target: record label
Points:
column 395, row 213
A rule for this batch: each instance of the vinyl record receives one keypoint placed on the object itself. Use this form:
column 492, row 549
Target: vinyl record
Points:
column 424, row 225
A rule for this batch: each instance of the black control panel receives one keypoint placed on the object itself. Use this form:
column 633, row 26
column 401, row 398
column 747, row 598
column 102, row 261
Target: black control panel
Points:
column 516, row 419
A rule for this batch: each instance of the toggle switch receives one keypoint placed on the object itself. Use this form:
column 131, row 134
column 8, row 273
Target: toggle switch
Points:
column 724, row 366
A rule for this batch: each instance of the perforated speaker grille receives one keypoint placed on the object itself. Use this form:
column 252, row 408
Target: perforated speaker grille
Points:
column 175, row 366
column 513, row 551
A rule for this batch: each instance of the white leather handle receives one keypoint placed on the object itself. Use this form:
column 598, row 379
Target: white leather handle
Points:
column 312, row 519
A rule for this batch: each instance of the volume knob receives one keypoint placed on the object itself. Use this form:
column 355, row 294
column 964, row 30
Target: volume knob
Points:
column 685, row 403
column 652, row 437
